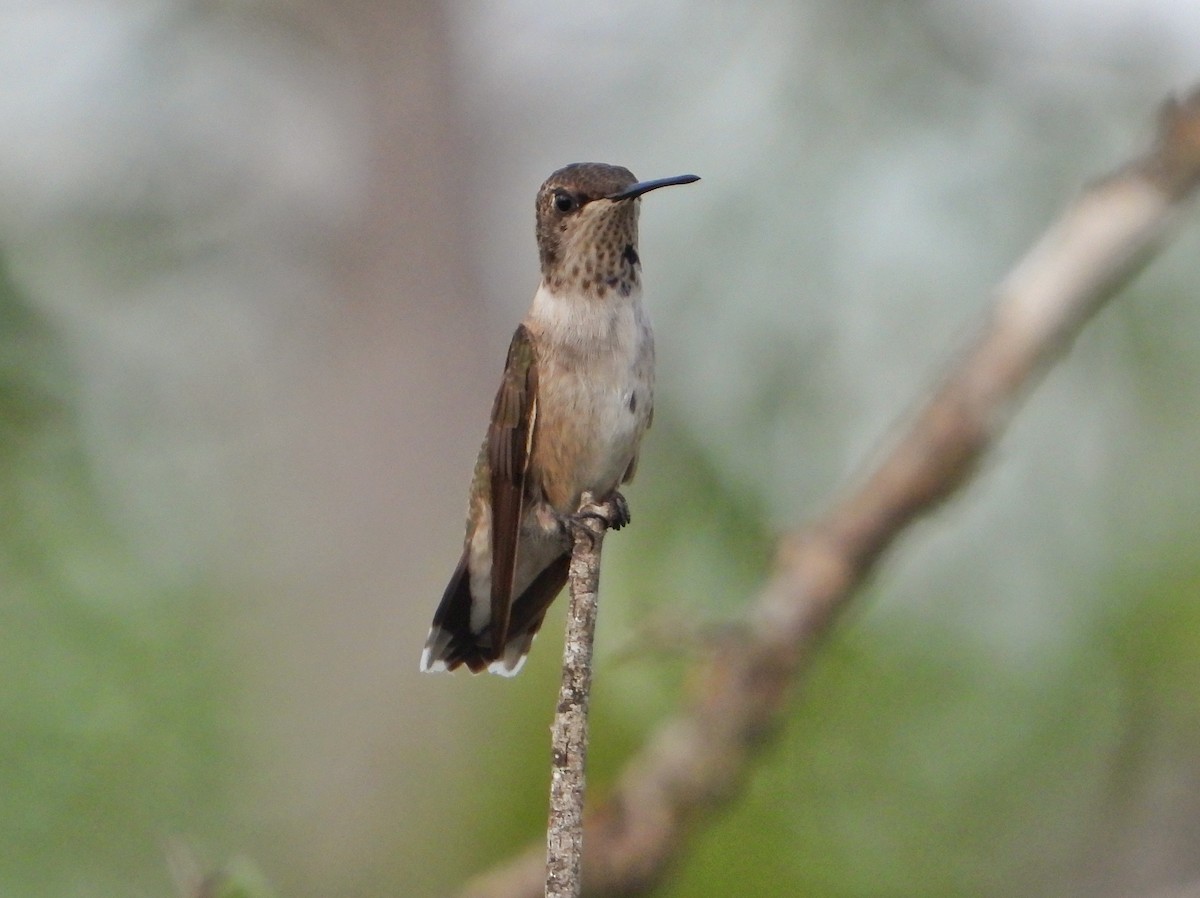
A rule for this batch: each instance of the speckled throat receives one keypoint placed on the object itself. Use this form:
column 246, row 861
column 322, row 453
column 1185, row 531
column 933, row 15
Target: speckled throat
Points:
column 601, row 254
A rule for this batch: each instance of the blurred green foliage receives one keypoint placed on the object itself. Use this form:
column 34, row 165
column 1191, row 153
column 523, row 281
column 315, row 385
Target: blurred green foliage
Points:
column 916, row 766
column 114, row 706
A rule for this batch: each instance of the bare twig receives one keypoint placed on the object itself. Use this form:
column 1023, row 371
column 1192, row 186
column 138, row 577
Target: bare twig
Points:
column 569, row 740
column 697, row 759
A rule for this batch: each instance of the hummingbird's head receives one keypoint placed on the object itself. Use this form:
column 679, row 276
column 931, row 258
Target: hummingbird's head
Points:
column 587, row 218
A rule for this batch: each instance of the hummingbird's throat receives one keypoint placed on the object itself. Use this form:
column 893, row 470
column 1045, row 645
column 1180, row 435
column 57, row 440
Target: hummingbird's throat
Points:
column 603, row 275
column 602, row 264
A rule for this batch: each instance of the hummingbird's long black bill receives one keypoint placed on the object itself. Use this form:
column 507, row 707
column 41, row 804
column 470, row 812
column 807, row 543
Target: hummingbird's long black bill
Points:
column 636, row 190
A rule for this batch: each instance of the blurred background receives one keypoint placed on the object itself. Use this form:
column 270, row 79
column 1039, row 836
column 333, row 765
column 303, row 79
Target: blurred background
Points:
column 259, row 266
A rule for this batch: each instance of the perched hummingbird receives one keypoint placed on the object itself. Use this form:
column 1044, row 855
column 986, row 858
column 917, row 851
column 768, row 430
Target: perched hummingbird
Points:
column 576, row 398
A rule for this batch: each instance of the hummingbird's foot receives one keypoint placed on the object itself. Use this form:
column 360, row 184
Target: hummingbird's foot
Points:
column 613, row 512
column 618, row 511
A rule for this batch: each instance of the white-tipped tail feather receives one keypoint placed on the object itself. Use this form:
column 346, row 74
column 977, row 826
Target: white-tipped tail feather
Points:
column 433, row 657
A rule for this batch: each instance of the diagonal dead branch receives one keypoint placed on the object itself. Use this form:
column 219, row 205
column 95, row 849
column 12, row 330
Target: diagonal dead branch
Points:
column 698, row 758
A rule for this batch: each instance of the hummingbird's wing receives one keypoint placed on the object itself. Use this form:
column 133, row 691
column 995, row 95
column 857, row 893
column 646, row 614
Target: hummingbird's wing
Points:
column 510, row 437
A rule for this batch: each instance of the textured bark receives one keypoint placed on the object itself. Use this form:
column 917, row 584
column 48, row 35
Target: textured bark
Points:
column 568, row 779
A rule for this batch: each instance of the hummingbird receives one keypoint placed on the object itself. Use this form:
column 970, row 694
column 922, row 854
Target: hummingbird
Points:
column 576, row 398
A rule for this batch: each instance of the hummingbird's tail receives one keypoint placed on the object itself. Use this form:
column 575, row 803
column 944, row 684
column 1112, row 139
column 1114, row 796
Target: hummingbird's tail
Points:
column 452, row 643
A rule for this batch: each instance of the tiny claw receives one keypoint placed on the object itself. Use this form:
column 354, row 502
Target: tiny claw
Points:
column 618, row 511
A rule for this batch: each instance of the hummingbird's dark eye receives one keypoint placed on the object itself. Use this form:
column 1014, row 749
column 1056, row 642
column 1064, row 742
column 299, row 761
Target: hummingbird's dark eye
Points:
column 564, row 202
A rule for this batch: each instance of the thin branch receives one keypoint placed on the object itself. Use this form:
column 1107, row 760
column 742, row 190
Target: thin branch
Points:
column 569, row 740
column 697, row 759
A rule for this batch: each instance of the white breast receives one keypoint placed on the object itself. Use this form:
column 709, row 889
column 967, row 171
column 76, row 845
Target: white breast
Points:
column 597, row 378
